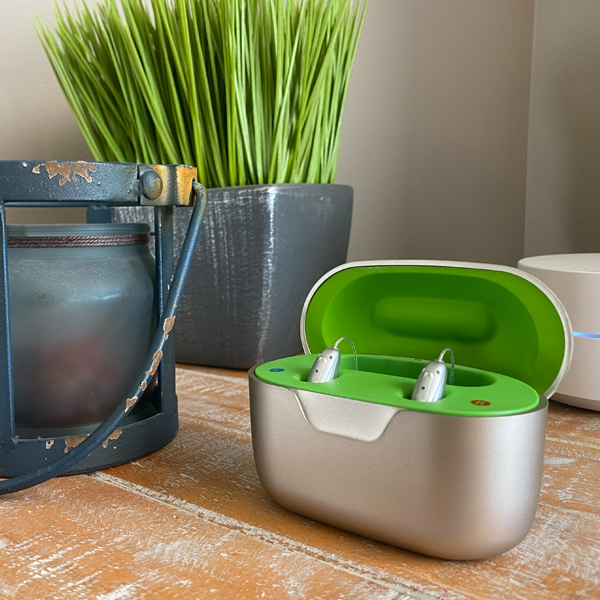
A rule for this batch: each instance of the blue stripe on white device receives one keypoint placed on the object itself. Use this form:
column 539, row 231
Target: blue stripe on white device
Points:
column 594, row 336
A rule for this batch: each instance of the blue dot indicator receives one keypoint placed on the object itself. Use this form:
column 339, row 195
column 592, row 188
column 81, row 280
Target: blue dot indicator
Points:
column 276, row 370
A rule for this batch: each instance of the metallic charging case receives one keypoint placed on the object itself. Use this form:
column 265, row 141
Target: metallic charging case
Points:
column 447, row 485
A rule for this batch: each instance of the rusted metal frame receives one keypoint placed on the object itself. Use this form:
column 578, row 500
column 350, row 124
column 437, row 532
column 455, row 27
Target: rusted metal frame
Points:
column 111, row 184
column 7, row 422
column 55, row 183
column 172, row 188
column 163, row 227
column 135, row 440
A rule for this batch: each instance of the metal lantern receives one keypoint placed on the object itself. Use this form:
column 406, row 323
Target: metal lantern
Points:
column 99, row 186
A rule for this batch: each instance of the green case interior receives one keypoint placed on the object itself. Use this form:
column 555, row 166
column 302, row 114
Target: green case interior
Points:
column 497, row 321
column 390, row 380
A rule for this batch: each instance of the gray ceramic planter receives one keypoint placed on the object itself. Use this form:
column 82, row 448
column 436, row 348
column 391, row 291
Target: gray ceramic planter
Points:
column 261, row 251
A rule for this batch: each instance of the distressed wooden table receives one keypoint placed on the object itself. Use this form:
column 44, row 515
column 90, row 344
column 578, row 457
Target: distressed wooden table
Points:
column 192, row 521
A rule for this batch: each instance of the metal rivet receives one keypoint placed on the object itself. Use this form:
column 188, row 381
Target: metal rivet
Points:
column 151, row 185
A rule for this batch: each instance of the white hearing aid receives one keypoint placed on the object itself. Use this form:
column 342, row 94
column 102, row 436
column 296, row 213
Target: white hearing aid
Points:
column 431, row 383
column 327, row 365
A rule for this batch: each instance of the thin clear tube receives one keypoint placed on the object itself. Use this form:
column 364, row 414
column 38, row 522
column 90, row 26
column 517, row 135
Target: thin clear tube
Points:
column 353, row 349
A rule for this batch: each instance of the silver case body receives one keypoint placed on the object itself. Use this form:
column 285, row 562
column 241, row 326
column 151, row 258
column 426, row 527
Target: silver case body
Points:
column 446, row 486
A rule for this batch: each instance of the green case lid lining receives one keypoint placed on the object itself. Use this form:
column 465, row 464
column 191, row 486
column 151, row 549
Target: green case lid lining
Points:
column 494, row 318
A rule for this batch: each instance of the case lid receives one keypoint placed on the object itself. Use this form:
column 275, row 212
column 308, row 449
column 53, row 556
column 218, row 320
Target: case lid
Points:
column 494, row 318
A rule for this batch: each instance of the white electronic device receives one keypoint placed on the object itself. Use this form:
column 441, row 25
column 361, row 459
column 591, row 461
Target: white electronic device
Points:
column 575, row 279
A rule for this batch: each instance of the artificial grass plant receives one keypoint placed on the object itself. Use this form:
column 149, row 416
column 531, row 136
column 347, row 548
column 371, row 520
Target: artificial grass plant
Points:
column 248, row 91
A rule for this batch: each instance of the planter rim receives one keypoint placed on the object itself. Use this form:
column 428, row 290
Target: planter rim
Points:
column 268, row 186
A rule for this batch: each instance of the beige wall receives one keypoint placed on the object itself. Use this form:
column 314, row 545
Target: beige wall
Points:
column 35, row 121
column 435, row 129
column 563, row 186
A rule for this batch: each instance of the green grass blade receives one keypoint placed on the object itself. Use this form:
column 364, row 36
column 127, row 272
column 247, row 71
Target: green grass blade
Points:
column 250, row 91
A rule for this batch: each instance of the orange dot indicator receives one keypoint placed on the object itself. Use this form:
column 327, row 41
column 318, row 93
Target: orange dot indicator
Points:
column 480, row 402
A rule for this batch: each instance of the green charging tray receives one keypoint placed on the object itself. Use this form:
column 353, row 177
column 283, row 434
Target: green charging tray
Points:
column 459, row 478
column 390, row 380
column 511, row 338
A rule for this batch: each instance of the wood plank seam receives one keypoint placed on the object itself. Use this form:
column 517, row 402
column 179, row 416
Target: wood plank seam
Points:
column 574, row 442
column 563, row 449
column 227, row 428
column 220, row 377
column 376, row 576
column 571, row 511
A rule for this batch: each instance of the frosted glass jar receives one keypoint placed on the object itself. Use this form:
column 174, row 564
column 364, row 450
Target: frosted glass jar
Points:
column 81, row 301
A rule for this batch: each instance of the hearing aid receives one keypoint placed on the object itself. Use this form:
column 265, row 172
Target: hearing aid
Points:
column 327, row 365
column 431, row 383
